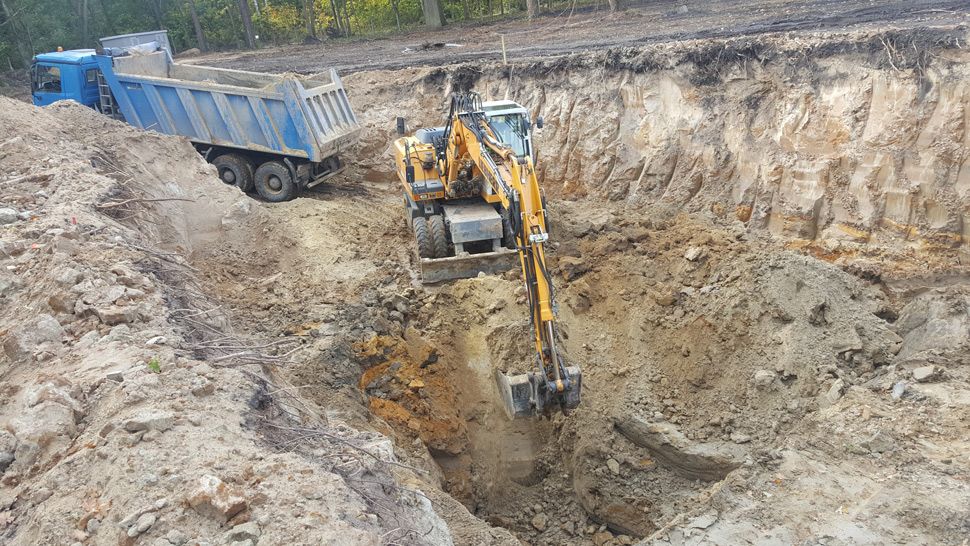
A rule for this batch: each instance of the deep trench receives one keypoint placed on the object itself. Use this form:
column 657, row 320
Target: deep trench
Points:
column 828, row 153
column 837, row 154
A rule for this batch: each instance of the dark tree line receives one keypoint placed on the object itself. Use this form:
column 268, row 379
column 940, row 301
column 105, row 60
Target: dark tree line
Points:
column 28, row 27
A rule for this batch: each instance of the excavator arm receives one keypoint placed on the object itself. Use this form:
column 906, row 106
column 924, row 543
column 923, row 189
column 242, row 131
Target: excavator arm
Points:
column 511, row 181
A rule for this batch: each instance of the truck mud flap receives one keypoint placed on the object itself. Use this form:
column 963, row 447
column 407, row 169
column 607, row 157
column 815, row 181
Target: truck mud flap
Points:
column 467, row 266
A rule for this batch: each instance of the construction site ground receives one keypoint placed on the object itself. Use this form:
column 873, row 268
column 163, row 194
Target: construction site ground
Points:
column 760, row 239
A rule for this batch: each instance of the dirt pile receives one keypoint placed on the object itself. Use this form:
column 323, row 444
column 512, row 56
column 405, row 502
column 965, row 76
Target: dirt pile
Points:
column 720, row 372
column 131, row 411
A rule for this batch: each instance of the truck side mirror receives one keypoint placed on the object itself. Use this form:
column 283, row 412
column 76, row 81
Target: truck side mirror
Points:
column 401, row 126
column 409, row 174
column 539, row 122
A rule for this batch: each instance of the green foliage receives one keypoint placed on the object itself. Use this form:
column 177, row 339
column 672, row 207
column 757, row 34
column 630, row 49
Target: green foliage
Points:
column 280, row 24
column 28, row 27
column 154, row 365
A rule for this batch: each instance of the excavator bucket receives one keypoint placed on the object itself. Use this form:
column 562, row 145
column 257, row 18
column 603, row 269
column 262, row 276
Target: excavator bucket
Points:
column 467, row 266
column 525, row 395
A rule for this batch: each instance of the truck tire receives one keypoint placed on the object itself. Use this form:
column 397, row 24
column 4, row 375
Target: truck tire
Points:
column 439, row 236
column 422, row 237
column 274, row 182
column 235, row 170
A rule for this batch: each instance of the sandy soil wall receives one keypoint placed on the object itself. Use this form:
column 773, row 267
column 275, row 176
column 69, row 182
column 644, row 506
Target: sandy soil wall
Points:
column 852, row 139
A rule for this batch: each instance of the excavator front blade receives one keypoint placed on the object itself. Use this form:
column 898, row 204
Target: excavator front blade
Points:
column 467, row 266
column 525, row 395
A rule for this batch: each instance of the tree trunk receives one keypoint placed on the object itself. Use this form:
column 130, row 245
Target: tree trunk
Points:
column 434, row 16
column 108, row 19
column 16, row 27
column 311, row 18
column 464, row 5
column 614, row 5
column 84, row 22
column 532, row 7
column 397, row 14
column 156, row 13
column 199, row 34
column 347, row 28
column 81, row 10
column 247, row 22
column 336, row 16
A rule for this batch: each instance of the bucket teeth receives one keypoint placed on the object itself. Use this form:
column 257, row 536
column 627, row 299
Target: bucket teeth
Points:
column 525, row 395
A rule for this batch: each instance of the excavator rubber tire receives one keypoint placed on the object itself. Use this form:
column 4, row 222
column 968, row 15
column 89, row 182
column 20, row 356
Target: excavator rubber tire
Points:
column 274, row 182
column 508, row 236
column 236, row 170
column 439, row 235
column 423, row 237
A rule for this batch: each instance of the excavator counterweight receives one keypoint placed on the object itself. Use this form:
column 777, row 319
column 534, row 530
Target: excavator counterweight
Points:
column 473, row 202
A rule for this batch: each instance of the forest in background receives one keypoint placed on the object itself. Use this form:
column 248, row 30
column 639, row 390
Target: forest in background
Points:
column 28, row 27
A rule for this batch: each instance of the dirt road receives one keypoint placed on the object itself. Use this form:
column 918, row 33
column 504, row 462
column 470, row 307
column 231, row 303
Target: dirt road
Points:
column 568, row 32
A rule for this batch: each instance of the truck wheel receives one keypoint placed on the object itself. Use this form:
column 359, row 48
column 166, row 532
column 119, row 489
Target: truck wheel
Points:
column 235, row 170
column 439, row 237
column 423, row 238
column 274, row 182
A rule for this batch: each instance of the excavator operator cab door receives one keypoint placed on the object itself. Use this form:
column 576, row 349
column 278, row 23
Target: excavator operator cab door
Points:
column 510, row 122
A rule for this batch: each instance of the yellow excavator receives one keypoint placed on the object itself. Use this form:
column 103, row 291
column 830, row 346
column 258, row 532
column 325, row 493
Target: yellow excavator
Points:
column 473, row 201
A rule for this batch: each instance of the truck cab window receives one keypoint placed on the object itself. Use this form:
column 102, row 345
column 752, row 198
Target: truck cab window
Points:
column 91, row 76
column 47, row 79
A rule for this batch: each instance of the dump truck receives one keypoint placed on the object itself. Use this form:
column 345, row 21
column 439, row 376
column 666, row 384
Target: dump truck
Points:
column 275, row 134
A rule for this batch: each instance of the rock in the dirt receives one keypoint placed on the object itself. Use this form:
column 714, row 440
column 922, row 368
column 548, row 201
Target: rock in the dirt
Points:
column 243, row 543
column 572, row 268
column 833, row 394
column 215, row 499
column 665, row 296
column 114, row 314
column 702, row 522
column 925, row 374
column 613, row 465
column 8, row 216
column 880, row 442
column 9, row 283
column 176, row 537
column 8, row 446
column 763, row 378
column 150, row 420
column 696, row 461
column 144, row 523
column 244, row 531
column 22, row 342
column 899, row 389
column 539, row 522
column 694, row 253
column 602, row 537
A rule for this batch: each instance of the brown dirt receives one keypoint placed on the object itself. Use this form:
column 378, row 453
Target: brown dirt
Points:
column 754, row 369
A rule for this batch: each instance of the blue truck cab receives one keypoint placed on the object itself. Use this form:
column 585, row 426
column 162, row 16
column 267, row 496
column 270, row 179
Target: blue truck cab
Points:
column 65, row 75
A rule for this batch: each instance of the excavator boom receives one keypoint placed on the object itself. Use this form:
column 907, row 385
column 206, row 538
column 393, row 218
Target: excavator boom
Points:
column 481, row 165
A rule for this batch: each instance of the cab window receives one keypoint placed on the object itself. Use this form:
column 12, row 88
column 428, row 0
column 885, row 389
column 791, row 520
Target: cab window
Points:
column 91, row 76
column 47, row 78
column 512, row 130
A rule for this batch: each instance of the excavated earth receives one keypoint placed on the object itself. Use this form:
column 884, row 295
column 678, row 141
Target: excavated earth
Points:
column 761, row 250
